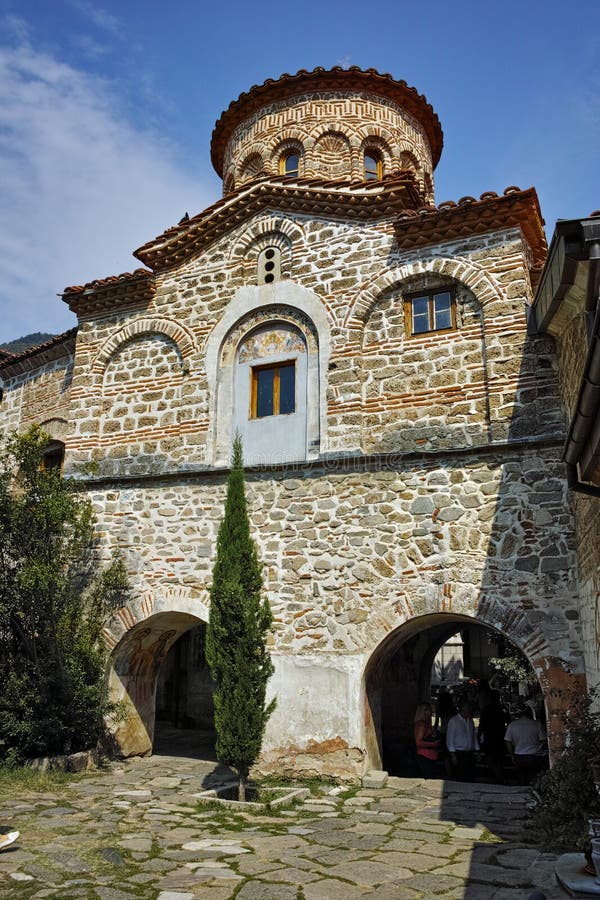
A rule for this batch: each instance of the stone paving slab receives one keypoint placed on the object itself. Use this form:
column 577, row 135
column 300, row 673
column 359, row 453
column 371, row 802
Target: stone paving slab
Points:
column 135, row 830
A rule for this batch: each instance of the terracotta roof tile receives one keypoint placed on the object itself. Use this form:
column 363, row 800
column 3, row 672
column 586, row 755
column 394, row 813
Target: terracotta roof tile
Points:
column 450, row 220
column 102, row 294
column 362, row 200
column 50, row 349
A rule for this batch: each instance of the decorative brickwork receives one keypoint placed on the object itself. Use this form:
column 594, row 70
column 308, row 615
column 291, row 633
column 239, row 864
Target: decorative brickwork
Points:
column 330, row 134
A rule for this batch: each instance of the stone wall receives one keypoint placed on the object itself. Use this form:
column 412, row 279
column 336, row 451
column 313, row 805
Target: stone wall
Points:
column 377, row 390
column 431, row 485
column 350, row 556
column 40, row 395
column 586, row 509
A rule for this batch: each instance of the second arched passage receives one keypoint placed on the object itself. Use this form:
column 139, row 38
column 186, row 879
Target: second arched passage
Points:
column 398, row 677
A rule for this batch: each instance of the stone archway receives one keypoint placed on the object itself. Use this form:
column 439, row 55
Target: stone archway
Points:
column 133, row 678
column 558, row 684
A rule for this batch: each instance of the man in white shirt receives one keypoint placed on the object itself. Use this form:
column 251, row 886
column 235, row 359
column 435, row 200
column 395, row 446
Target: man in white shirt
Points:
column 525, row 740
column 461, row 740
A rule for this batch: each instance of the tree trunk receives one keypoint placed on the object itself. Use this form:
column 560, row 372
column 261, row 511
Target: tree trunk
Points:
column 242, row 788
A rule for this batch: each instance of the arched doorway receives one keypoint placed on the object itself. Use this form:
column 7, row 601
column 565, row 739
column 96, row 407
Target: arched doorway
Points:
column 184, row 699
column 416, row 660
column 141, row 662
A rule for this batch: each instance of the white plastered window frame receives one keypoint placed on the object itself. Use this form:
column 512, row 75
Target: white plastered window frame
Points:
column 250, row 307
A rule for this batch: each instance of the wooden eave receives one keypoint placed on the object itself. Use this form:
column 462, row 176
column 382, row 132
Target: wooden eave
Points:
column 564, row 282
column 569, row 287
column 492, row 212
column 335, row 200
column 34, row 357
column 319, row 81
column 103, row 295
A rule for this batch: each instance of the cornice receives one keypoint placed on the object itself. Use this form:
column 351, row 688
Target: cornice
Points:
column 363, row 201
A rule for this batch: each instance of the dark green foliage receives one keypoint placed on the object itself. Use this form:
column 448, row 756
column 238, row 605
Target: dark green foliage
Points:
column 566, row 796
column 235, row 640
column 27, row 341
column 52, row 660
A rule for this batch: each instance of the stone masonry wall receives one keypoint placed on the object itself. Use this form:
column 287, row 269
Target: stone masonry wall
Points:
column 586, row 509
column 385, row 391
column 351, row 555
column 38, row 396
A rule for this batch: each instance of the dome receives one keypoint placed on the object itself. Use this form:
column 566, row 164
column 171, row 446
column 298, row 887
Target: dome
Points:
column 333, row 125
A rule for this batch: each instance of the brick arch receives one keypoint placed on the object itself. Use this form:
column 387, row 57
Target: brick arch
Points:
column 557, row 678
column 351, row 132
column 140, row 636
column 269, row 225
column 288, row 138
column 172, row 600
column 484, row 287
column 182, row 337
column 378, row 136
column 413, row 150
column 251, row 166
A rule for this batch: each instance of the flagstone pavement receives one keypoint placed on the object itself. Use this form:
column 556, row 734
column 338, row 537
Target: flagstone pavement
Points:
column 136, row 830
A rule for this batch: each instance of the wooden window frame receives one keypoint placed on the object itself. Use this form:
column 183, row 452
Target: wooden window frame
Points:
column 254, row 370
column 378, row 174
column 430, row 294
column 283, row 162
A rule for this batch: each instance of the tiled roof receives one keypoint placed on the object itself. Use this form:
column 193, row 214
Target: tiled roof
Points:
column 101, row 294
column 336, row 79
column 469, row 216
column 335, row 199
column 395, row 198
column 34, row 356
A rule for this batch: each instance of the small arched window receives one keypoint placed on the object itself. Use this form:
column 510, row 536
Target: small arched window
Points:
column 53, row 456
column 269, row 265
column 289, row 164
column 373, row 166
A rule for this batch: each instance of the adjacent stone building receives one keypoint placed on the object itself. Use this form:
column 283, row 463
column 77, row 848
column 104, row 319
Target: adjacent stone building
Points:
column 403, row 429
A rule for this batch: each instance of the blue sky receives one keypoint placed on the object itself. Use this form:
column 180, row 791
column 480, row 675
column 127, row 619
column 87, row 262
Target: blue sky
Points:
column 106, row 113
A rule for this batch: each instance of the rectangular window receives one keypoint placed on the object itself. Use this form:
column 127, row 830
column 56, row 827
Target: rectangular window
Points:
column 273, row 390
column 430, row 312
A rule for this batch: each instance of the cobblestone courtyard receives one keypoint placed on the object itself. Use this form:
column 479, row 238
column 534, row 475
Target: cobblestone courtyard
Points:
column 136, row 830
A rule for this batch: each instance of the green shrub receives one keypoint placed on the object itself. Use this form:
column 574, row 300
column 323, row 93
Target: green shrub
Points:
column 566, row 796
column 52, row 605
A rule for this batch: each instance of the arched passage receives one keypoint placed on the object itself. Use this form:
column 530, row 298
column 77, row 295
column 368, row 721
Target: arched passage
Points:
column 184, row 699
column 137, row 660
column 398, row 677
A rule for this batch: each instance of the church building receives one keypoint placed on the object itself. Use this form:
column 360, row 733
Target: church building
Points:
column 402, row 423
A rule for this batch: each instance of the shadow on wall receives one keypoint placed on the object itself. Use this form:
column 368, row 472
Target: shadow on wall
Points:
column 518, row 575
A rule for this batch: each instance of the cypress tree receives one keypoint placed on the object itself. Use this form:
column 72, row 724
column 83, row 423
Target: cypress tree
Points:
column 239, row 621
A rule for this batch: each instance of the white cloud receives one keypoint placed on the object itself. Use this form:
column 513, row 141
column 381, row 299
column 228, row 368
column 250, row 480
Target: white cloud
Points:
column 80, row 187
column 99, row 17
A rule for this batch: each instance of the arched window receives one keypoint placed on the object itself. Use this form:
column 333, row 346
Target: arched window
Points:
column 289, row 164
column 53, row 456
column 373, row 166
column 270, row 393
column 269, row 265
